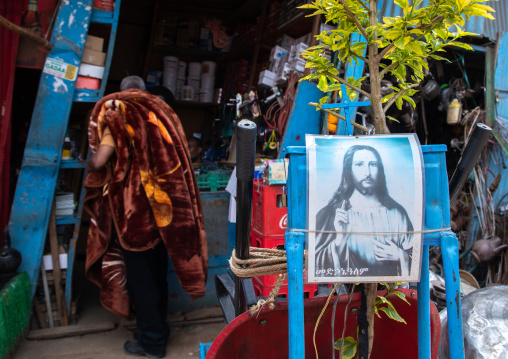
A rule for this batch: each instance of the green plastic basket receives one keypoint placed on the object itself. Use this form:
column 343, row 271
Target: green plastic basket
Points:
column 15, row 311
column 213, row 180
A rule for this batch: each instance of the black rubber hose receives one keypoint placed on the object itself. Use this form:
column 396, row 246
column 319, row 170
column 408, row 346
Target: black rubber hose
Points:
column 468, row 159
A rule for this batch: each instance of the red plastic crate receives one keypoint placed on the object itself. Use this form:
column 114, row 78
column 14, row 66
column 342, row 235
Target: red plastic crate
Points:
column 309, row 290
column 267, row 218
column 269, row 280
column 272, row 242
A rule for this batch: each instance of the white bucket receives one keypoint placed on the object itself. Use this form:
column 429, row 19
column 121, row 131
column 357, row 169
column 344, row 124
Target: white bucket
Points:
column 208, row 67
column 206, row 95
column 180, row 83
column 170, row 63
column 182, row 65
column 188, row 93
column 195, row 85
column 169, row 79
column 194, row 70
column 207, row 81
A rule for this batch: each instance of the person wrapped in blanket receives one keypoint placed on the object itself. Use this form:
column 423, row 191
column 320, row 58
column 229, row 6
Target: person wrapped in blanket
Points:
column 144, row 204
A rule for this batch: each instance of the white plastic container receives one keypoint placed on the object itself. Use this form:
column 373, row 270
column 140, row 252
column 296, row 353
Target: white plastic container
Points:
column 169, row 79
column 207, row 81
column 182, row 66
column 206, row 94
column 195, row 84
column 208, row 68
column 194, row 70
column 454, row 112
column 170, row 63
column 180, row 83
column 188, row 93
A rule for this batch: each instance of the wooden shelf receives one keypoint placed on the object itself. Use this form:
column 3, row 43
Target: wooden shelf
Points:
column 187, row 52
column 195, row 104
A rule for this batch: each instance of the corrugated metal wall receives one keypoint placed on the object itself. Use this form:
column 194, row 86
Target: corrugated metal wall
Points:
column 478, row 25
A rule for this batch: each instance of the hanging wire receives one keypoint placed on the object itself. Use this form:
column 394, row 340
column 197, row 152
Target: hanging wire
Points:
column 319, row 318
column 345, row 319
column 333, row 319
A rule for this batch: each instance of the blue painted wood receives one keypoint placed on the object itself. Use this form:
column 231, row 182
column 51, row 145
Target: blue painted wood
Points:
column 450, row 253
column 36, row 183
column 203, row 349
column 424, row 343
column 437, row 217
column 70, row 265
column 354, row 70
column 303, row 119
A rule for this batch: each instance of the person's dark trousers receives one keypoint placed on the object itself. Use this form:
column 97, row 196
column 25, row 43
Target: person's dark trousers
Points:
column 148, row 290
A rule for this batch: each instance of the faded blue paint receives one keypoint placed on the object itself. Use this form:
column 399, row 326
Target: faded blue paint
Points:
column 37, row 179
column 355, row 70
column 303, row 119
column 107, row 18
column 437, row 218
column 423, row 286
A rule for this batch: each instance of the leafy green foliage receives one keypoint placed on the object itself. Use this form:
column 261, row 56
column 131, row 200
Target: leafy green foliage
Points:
column 350, row 347
column 396, row 45
column 383, row 304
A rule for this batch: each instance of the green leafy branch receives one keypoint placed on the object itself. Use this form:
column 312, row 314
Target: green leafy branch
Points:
column 397, row 46
column 383, row 304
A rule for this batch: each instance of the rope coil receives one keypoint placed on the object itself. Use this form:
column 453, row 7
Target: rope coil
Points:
column 262, row 261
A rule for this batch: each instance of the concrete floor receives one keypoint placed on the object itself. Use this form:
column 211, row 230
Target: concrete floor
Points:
column 188, row 330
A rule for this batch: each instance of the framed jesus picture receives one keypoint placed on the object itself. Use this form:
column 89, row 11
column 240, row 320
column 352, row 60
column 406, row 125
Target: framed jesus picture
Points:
column 365, row 208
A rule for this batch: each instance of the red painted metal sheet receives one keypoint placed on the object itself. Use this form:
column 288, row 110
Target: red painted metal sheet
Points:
column 11, row 10
column 265, row 336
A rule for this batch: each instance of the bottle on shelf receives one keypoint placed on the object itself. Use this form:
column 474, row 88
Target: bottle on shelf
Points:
column 66, row 152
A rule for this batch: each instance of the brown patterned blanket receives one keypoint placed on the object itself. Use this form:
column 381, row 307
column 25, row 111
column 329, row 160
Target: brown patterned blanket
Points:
column 149, row 193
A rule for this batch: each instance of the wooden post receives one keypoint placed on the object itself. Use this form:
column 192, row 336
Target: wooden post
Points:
column 55, row 255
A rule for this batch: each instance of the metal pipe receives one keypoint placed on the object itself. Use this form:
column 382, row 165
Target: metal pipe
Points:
column 468, row 159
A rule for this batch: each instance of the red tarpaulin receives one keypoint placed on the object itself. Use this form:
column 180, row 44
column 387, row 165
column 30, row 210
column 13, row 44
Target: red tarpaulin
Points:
column 11, row 10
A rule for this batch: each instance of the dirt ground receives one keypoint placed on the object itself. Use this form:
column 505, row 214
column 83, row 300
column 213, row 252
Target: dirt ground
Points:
column 188, row 330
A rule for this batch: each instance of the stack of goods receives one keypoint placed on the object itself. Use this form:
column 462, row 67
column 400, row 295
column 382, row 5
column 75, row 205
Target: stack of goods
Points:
column 193, row 81
column 64, row 204
column 106, row 5
column 180, row 79
column 170, row 73
column 269, row 222
column 207, row 81
column 93, row 60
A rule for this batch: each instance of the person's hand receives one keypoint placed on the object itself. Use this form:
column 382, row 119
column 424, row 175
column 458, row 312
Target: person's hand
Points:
column 341, row 218
column 342, row 226
column 387, row 252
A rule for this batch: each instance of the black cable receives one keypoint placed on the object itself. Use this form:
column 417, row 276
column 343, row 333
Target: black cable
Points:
column 363, row 327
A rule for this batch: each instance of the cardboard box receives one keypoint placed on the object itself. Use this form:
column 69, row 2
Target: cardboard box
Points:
column 94, row 43
column 286, row 42
column 277, row 52
column 97, row 72
column 267, row 78
column 93, row 57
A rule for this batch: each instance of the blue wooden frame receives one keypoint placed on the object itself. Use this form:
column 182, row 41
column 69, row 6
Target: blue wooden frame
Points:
column 35, row 188
column 437, row 216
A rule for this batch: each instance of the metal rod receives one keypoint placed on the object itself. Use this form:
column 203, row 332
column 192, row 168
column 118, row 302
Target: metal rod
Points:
column 468, row 159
